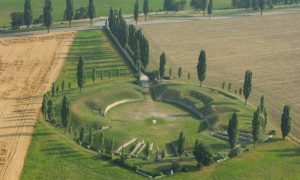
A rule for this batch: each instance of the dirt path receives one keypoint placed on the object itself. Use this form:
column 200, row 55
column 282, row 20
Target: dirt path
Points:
column 28, row 66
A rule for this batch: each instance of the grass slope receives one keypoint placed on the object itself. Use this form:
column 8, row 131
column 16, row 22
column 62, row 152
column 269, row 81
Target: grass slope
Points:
column 52, row 156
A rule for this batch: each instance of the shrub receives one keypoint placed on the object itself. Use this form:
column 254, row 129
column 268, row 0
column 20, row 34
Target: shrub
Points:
column 176, row 166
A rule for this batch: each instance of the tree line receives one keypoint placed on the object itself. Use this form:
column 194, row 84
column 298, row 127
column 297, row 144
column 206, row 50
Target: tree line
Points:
column 26, row 17
column 130, row 38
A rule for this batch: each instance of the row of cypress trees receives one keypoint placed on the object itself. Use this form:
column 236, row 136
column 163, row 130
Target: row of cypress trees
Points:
column 129, row 38
column 48, row 9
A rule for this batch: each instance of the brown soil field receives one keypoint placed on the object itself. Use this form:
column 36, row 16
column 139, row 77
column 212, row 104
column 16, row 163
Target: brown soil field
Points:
column 267, row 45
column 28, row 66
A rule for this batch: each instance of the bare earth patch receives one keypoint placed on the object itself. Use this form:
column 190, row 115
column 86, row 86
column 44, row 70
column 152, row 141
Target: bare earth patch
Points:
column 267, row 45
column 28, row 66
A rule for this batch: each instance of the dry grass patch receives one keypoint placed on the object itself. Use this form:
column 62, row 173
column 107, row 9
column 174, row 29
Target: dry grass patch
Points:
column 267, row 45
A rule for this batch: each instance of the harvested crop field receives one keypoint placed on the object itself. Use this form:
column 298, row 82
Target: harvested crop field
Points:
column 28, row 66
column 267, row 45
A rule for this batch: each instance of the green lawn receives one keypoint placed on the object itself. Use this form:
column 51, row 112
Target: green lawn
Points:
column 52, row 156
column 102, row 7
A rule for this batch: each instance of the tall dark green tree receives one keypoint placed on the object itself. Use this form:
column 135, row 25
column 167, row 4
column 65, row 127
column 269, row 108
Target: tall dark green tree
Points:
column 63, row 86
column 233, row 130
column 146, row 8
column 201, row 67
column 94, row 75
column 90, row 138
column 286, row 121
column 44, row 106
column 203, row 154
column 27, row 13
column 53, row 90
column 261, row 5
column 256, row 126
column 179, row 72
column 50, row 110
column 137, row 51
column 80, row 73
column 180, row 144
column 101, row 143
column 247, row 85
column 210, row 8
column 91, row 11
column 145, row 55
column 136, row 11
column 81, row 135
column 65, row 112
column 162, row 65
column 69, row 11
column 48, row 14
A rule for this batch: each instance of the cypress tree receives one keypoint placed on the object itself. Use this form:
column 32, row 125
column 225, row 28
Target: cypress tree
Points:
column 91, row 11
column 90, row 138
column 203, row 154
column 210, row 8
column 50, row 110
column 48, row 14
column 63, row 86
column 286, row 120
column 111, row 148
column 229, row 86
column 57, row 90
column 137, row 51
column 69, row 11
column 81, row 135
column 80, row 73
column 163, row 154
column 223, row 85
column 256, row 126
column 44, row 107
column 233, row 131
column 145, row 55
column 146, row 8
column 101, row 142
column 27, row 13
column 136, row 11
column 240, row 92
column 189, row 76
column 201, row 67
column 53, row 90
column 170, row 72
column 65, row 112
column 94, row 75
column 179, row 72
column 162, row 65
column 247, row 85
column 180, row 145
column 261, row 5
